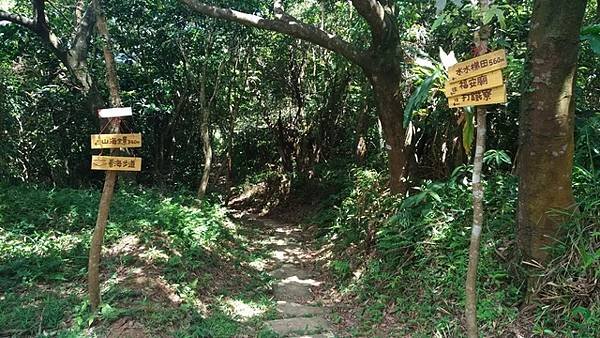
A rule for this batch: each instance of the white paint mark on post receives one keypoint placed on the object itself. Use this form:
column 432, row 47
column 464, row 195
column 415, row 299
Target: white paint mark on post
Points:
column 115, row 112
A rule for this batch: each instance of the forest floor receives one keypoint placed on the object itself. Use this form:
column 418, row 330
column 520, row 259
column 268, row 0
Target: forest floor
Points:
column 170, row 268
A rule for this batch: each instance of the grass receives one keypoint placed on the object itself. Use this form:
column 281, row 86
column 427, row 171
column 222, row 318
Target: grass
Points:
column 170, row 265
column 400, row 264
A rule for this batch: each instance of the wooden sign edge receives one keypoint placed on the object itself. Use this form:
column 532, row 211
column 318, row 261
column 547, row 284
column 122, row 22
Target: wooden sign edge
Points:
column 504, row 99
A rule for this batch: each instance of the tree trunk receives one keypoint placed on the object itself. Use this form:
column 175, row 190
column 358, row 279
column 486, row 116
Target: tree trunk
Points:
column 481, row 47
column 362, row 128
column 547, row 126
column 478, row 218
column 111, row 176
column 205, row 135
column 390, row 107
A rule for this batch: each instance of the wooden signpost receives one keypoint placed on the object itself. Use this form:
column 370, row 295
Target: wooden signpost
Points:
column 115, row 141
column 478, row 81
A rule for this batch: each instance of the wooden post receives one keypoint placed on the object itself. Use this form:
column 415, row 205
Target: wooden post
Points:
column 111, row 176
column 481, row 47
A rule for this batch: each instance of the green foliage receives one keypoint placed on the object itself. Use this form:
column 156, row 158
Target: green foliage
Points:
column 385, row 247
column 420, row 95
column 173, row 244
column 569, row 301
column 591, row 34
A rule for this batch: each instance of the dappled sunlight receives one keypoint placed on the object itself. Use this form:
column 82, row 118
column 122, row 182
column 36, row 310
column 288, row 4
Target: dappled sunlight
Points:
column 299, row 281
column 244, row 310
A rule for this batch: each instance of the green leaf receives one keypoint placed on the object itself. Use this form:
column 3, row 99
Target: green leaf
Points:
column 501, row 18
column 468, row 132
column 413, row 200
column 487, row 17
column 440, row 19
column 419, row 96
column 435, row 196
column 594, row 41
column 592, row 35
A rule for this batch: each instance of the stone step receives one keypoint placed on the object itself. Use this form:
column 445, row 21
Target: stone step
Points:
column 292, row 309
column 290, row 270
column 298, row 326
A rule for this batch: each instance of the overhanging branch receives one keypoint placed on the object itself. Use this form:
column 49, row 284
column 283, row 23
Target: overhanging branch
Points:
column 287, row 25
column 17, row 19
column 73, row 58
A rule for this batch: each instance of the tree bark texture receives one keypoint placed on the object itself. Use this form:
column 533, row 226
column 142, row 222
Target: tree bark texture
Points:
column 205, row 108
column 111, row 176
column 205, row 135
column 390, row 108
column 547, row 125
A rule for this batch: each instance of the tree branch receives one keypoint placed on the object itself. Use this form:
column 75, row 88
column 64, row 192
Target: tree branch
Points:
column 42, row 29
column 74, row 58
column 17, row 19
column 287, row 25
column 83, row 31
column 380, row 18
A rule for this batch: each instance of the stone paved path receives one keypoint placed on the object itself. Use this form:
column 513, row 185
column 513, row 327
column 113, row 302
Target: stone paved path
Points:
column 299, row 314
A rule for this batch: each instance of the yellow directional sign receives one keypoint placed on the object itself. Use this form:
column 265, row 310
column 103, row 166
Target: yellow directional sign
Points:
column 473, row 84
column 479, row 65
column 479, row 98
column 112, row 141
column 116, row 163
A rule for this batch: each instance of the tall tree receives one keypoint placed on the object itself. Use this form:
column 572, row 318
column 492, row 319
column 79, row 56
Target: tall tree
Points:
column 380, row 63
column 73, row 54
column 547, row 125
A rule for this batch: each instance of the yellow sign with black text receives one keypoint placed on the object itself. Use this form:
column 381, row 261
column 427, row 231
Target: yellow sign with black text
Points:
column 115, row 141
column 474, row 84
column 116, row 163
column 480, row 65
column 479, row 98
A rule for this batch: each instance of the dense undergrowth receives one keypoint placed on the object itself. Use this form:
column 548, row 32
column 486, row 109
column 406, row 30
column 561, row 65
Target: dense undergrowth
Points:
column 402, row 263
column 170, row 266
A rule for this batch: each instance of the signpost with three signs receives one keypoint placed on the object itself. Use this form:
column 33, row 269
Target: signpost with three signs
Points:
column 477, row 81
column 116, row 141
